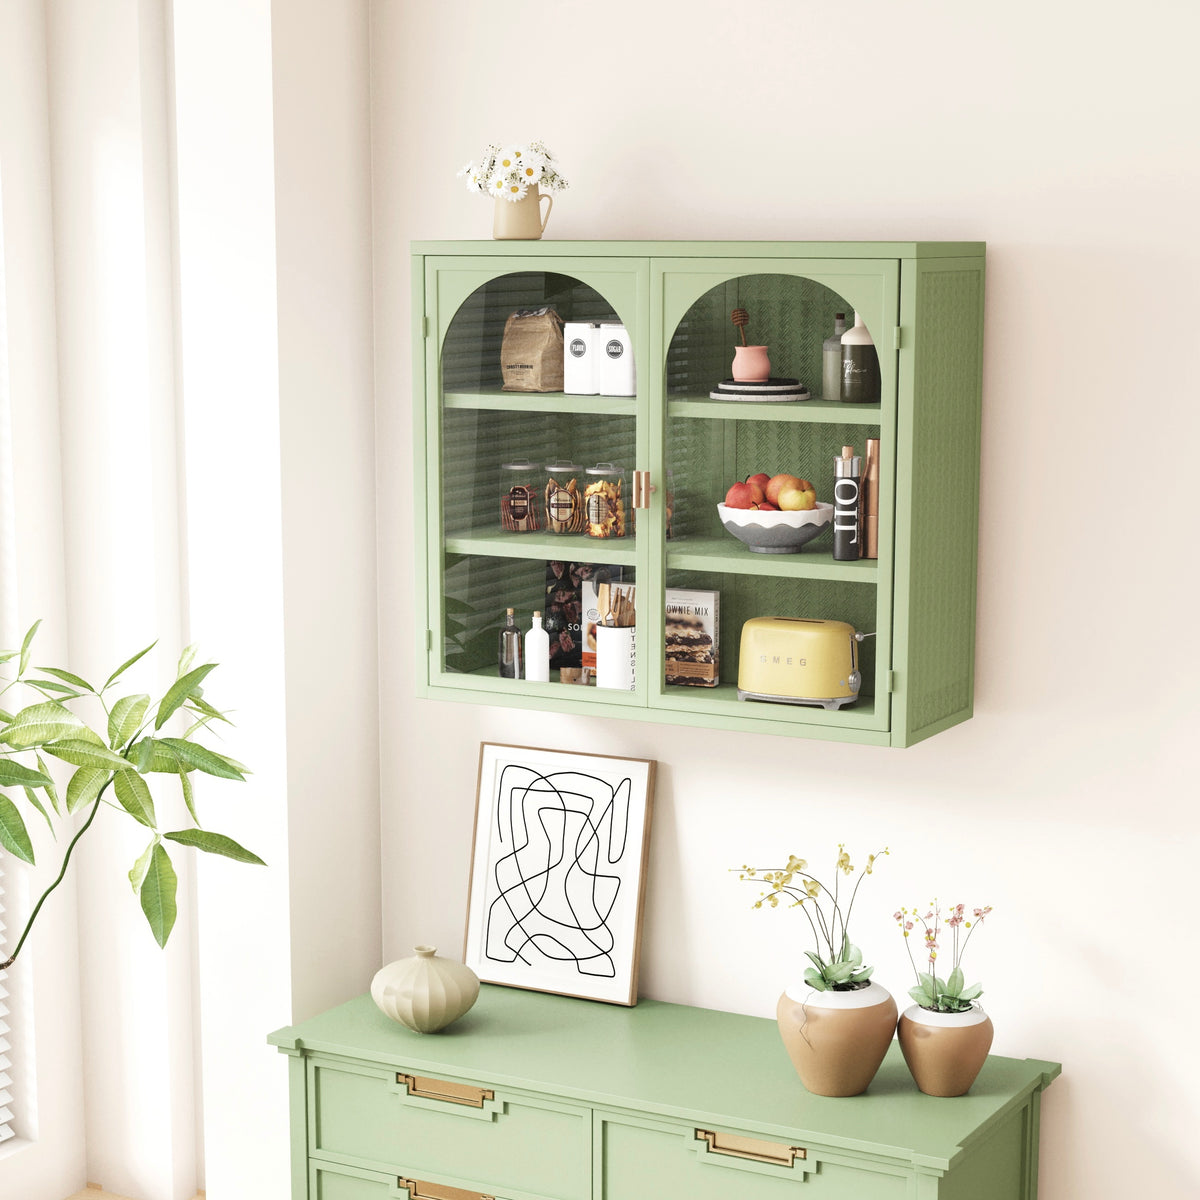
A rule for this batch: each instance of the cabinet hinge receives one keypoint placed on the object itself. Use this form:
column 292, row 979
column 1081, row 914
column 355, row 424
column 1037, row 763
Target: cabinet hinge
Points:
column 896, row 338
column 429, row 639
column 424, row 327
column 891, row 681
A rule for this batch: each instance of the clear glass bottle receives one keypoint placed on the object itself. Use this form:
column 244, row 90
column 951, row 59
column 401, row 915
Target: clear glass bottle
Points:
column 537, row 652
column 831, row 360
column 510, row 648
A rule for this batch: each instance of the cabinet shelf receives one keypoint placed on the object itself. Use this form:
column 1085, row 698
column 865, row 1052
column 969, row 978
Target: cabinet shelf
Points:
column 820, row 412
column 726, row 554
column 548, row 547
column 496, row 400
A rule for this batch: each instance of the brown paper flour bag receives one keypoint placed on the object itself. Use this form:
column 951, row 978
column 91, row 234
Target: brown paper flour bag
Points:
column 531, row 355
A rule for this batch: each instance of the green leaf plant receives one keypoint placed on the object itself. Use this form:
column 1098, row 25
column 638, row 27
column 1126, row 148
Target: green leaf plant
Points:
column 837, row 964
column 948, row 995
column 113, row 767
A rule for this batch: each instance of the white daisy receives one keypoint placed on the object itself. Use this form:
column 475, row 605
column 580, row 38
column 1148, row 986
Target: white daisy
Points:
column 531, row 167
column 516, row 189
column 507, row 159
column 498, row 184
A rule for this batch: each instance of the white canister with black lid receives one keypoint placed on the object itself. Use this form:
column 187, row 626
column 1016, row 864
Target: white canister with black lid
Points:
column 614, row 359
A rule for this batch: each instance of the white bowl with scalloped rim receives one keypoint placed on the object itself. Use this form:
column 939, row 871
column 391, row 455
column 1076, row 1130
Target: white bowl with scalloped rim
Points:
column 767, row 532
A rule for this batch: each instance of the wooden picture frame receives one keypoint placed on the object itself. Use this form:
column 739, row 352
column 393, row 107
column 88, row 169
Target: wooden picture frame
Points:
column 558, row 866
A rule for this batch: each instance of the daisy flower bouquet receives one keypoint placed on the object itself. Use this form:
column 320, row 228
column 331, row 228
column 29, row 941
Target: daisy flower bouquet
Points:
column 948, row 995
column 508, row 172
column 837, row 964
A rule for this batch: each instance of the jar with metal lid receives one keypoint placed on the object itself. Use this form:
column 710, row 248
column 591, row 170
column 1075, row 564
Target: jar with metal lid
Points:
column 564, row 497
column 520, row 508
column 606, row 501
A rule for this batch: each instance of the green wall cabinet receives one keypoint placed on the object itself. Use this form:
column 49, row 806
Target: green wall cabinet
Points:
column 923, row 303
column 540, row 1097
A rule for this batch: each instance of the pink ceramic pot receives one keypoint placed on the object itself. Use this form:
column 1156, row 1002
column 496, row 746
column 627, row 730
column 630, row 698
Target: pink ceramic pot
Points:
column 751, row 364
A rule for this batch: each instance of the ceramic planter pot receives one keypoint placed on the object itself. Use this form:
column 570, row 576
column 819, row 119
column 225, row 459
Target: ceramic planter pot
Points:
column 425, row 992
column 944, row 1051
column 836, row 1040
column 751, row 364
column 521, row 220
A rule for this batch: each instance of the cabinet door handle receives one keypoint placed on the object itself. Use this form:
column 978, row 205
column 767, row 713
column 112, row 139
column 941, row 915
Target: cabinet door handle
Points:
column 444, row 1089
column 419, row 1190
column 642, row 489
column 736, row 1146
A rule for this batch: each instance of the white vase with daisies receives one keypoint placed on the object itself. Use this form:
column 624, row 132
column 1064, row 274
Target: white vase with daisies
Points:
column 515, row 176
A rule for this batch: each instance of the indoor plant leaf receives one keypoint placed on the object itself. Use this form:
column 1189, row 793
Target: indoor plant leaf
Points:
column 126, row 665
column 150, row 756
column 157, row 894
column 202, row 758
column 25, row 645
column 186, row 658
column 138, row 871
column 134, row 795
column 126, row 717
column 50, row 689
column 15, row 775
column 40, row 723
column 84, row 786
column 971, row 993
column 31, row 796
column 82, row 753
column 214, row 843
column 954, row 985
column 66, row 677
column 815, row 980
column 49, row 788
column 14, row 837
column 188, row 798
column 179, row 692
column 921, row 996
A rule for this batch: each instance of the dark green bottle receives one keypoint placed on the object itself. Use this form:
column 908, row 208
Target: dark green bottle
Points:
column 860, row 365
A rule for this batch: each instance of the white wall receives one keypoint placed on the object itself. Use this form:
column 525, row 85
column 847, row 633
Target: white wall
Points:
column 1065, row 139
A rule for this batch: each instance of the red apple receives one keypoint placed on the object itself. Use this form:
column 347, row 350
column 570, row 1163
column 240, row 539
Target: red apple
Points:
column 767, row 506
column 758, row 491
column 740, row 495
column 762, row 479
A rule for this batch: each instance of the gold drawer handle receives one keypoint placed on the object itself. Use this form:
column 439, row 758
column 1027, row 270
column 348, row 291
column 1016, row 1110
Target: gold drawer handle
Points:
column 737, row 1146
column 444, row 1089
column 417, row 1190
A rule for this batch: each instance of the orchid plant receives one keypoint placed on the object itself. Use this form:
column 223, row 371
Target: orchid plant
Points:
column 837, row 964
column 947, row 995
column 508, row 172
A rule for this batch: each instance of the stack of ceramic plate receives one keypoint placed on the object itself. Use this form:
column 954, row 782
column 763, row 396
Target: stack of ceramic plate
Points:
column 770, row 389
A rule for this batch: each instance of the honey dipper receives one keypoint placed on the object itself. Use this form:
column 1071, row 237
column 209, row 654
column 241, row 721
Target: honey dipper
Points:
column 741, row 318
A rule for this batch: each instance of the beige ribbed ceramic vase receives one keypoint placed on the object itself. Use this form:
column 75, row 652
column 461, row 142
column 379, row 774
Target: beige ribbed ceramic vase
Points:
column 945, row 1051
column 836, row 1040
column 425, row 992
column 521, row 220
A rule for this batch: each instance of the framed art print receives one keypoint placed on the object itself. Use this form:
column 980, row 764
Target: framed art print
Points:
column 557, row 871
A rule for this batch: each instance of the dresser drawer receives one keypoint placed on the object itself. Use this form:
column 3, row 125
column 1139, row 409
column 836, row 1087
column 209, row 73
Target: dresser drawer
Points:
column 648, row 1157
column 488, row 1139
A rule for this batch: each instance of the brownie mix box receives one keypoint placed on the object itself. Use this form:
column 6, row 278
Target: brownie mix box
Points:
column 693, row 637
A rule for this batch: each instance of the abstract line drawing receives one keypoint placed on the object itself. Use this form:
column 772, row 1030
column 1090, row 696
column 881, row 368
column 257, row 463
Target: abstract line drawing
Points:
column 556, row 874
column 557, row 887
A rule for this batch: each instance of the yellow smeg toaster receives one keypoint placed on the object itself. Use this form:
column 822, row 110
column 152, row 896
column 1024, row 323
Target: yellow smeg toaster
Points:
column 799, row 660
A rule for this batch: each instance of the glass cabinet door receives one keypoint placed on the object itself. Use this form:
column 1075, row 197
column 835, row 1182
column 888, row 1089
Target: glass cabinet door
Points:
column 706, row 444
column 530, row 503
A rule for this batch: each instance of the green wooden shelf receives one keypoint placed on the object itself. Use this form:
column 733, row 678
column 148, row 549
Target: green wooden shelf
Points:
column 724, row 553
column 548, row 547
column 496, row 400
column 815, row 411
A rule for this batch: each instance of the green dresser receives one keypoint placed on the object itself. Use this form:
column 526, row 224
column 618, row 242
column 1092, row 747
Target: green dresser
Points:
column 536, row 1097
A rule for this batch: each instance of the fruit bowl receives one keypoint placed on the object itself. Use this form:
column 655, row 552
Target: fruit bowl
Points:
column 776, row 532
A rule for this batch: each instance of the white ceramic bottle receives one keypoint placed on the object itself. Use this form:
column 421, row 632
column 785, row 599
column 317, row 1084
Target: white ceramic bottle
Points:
column 860, row 365
column 537, row 652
